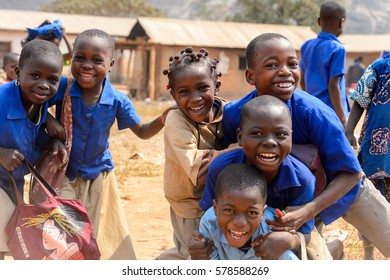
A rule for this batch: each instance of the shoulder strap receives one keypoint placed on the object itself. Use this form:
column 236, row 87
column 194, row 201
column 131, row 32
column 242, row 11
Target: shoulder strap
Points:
column 42, row 182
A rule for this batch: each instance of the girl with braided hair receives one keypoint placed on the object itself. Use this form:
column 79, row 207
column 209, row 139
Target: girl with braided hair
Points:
column 192, row 136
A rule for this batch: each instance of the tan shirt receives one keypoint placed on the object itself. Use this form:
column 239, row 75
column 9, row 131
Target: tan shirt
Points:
column 185, row 142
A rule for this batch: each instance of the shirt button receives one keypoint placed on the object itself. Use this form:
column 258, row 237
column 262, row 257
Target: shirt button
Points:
column 88, row 116
column 84, row 137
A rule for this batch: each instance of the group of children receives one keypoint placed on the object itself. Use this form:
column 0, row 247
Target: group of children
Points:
column 234, row 189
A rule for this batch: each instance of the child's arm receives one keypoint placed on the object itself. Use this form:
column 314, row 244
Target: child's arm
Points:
column 335, row 97
column 353, row 119
column 272, row 245
column 54, row 128
column 148, row 130
column 10, row 159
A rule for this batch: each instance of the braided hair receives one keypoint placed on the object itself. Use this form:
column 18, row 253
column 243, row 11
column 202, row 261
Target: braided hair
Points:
column 189, row 57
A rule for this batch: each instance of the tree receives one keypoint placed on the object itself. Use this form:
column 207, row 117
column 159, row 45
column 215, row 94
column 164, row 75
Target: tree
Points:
column 289, row 12
column 124, row 8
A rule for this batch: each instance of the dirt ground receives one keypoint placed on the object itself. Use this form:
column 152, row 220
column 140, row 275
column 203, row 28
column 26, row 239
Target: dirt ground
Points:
column 139, row 166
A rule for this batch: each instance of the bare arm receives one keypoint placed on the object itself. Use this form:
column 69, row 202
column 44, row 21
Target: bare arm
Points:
column 335, row 97
column 353, row 119
column 69, row 46
column 148, row 130
column 302, row 80
column 296, row 216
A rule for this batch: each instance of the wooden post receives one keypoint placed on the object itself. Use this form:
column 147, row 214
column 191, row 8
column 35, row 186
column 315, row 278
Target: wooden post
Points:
column 152, row 74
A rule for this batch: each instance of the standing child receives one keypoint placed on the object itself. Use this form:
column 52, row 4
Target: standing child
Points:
column 372, row 94
column 273, row 70
column 323, row 61
column 23, row 110
column 10, row 62
column 90, row 174
column 237, row 219
column 189, row 134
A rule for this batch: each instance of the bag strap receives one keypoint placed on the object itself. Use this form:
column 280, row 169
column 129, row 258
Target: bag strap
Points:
column 42, row 182
column 17, row 198
column 303, row 245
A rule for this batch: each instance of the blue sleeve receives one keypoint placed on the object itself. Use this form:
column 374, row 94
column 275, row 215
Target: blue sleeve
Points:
column 204, row 229
column 126, row 114
column 215, row 168
column 337, row 63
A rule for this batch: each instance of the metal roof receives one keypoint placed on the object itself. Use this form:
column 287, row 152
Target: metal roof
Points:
column 17, row 20
column 366, row 43
column 168, row 31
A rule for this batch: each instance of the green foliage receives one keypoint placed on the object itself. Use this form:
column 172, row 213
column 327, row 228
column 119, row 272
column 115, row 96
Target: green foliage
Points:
column 120, row 8
column 289, row 12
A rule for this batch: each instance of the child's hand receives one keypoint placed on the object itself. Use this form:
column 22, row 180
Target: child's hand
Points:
column 272, row 245
column 59, row 150
column 54, row 128
column 10, row 159
column 199, row 247
column 291, row 221
column 351, row 139
column 166, row 111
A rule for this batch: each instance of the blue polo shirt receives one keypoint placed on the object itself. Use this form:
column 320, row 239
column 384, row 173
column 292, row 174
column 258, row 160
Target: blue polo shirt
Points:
column 312, row 123
column 293, row 185
column 209, row 228
column 90, row 153
column 18, row 132
column 321, row 59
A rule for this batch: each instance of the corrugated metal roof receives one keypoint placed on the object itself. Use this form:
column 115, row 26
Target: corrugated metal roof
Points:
column 366, row 43
column 74, row 24
column 168, row 31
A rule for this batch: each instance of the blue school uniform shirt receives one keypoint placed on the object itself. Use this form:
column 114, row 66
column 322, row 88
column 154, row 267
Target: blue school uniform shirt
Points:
column 322, row 58
column 312, row 123
column 90, row 153
column 18, row 132
column 293, row 185
column 209, row 228
column 372, row 93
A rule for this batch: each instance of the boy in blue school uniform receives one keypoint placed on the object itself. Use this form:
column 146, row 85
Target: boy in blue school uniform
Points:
column 323, row 61
column 23, row 110
column 265, row 136
column 237, row 219
column 96, row 105
column 273, row 70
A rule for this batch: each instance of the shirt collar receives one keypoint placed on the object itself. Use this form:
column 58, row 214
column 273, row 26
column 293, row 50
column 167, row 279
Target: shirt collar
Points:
column 107, row 97
column 327, row 36
column 286, row 170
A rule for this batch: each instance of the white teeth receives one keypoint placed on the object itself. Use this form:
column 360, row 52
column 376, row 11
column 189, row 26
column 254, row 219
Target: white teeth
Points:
column 237, row 234
column 284, row 85
column 196, row 108
column 268, row 157
column 86, row 76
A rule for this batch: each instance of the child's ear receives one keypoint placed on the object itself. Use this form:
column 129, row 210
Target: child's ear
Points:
column 17, row 72
column 217, row 86
column 215, row 207
column 249, row 77
column 112, row 64
column 239, row 135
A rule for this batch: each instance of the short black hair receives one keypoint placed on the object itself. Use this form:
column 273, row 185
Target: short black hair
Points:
column 262, row 100
column 10, row 56
column 332, row 10
column 241, row 177
column 98, row 33
column 38, row 48
column 251, row 49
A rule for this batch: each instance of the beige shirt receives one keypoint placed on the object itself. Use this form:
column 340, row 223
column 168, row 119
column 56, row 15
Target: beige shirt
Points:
column 185, row 142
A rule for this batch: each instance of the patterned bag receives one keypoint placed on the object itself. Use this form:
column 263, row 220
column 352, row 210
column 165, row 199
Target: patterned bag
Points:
column 47, row 165
column 55, row 229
